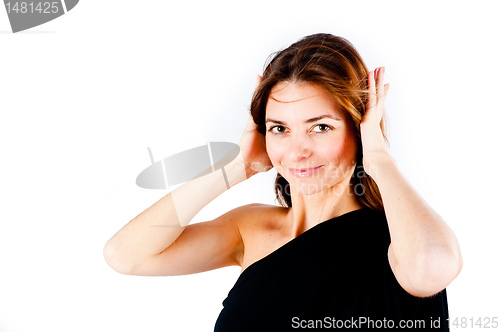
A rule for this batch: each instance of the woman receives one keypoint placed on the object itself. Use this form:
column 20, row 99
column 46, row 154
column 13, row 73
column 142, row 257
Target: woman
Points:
column 352, row 244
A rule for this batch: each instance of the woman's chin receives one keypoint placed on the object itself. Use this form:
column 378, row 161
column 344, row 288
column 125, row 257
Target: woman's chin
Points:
column 308, row 189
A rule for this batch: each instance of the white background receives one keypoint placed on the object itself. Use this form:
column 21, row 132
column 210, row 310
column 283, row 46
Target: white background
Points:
column 83, row 96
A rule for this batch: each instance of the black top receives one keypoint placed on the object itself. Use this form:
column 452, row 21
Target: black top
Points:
column 336, row 275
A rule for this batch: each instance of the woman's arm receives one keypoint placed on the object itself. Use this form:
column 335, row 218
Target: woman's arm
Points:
column 424, row 253
column 144, row 245
column 159, row 241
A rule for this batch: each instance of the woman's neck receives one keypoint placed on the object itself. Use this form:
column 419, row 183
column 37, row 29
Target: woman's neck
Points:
column 310, row 210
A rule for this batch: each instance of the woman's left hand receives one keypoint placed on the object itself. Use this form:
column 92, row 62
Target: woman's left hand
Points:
column 373, row 142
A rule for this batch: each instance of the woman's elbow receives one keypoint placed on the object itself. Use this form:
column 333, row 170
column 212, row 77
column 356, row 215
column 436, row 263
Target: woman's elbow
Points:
column 436, row 270
column 115, row 260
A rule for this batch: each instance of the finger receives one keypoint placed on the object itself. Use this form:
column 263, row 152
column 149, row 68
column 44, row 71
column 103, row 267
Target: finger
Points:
column 251, row 125
column 381, row 101
column 372, row 91
column 259, row 79
column 384, row 93
column 380, row 82
column 377, row 96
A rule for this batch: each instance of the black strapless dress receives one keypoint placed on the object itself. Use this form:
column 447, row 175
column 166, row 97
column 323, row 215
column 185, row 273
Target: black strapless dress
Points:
column 336, row 275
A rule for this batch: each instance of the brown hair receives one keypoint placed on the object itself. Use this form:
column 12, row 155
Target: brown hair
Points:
column 332, row 63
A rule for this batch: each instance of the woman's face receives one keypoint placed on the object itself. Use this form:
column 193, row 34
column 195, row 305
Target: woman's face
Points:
column 308, row 138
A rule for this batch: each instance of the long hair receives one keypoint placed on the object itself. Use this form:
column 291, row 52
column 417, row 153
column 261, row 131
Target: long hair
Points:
column 332, row 63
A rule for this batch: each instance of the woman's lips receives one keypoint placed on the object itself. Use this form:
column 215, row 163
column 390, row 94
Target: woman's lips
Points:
column 304, row 172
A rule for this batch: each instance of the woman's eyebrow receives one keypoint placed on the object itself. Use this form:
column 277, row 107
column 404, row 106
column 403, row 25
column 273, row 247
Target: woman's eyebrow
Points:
column 307, row 121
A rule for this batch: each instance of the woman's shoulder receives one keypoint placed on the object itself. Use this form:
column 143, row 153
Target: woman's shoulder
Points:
column 265, row 208
column 258, row 215
column 262, row 230
column 253, row 218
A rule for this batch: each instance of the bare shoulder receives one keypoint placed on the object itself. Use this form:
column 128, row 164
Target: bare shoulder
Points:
column 262, row 230
column 258, row 217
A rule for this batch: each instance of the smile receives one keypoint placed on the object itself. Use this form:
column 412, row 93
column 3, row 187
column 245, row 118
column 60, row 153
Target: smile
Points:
column 304, row 172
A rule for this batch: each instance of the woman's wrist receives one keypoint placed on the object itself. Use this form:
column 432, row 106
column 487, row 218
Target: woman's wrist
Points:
column 380, row 166
column 237, row 171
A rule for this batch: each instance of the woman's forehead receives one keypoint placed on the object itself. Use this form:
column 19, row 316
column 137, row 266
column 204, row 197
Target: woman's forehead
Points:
column 301, row 100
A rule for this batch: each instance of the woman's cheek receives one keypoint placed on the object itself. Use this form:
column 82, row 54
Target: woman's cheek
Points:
column 275, row 152
column 334, row 150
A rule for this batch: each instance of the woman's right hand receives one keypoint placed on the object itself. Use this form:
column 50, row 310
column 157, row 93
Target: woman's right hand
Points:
column 252, row 145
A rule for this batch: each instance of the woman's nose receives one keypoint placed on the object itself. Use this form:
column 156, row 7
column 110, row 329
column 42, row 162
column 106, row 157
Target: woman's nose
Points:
column 299, row 147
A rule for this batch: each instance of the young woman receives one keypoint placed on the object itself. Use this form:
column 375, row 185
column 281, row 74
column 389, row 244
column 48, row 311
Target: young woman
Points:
column 352, row 244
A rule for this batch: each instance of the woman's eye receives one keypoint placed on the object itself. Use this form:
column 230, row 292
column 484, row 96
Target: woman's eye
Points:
column 323, row 127
column 277, row 129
